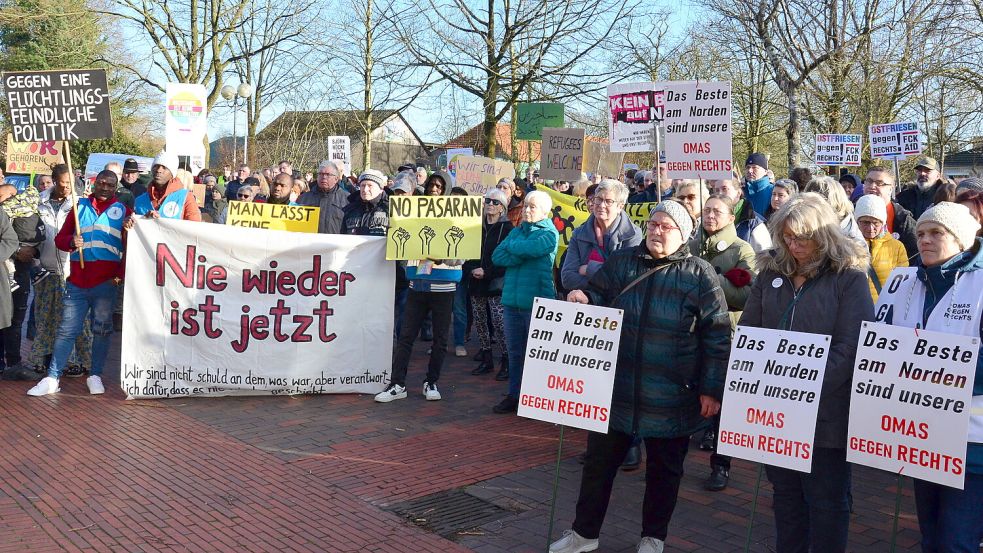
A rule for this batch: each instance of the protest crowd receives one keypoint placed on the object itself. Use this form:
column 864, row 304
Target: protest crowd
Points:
column 808, row 253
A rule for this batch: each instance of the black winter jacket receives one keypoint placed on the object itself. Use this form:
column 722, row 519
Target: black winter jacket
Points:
column 491, row 236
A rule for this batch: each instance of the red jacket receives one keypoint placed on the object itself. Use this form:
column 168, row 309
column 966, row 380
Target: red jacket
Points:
column 95, row 272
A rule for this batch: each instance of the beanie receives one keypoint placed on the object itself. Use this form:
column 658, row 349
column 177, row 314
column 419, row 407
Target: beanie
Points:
column 679, row 215
column 972, row 183
column 168, row 160
column 758, row 159
column 871, row 205
column 374, row 176
column 956, row 219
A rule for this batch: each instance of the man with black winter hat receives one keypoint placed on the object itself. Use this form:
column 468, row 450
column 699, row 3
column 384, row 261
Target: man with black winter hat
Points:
column 129, row 183
column 757, row 185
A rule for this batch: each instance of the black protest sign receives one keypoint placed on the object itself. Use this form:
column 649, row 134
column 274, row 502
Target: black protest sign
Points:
column 69, row 104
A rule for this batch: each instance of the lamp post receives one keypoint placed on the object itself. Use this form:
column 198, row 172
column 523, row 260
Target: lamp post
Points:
column 229, row 92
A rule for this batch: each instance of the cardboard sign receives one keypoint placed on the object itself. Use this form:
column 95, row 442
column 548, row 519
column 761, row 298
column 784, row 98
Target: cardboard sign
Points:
column 571, row 357
column 563, row 154
column 239, row 311
column 451, row 161
column 294, row 218
column 838, row 149
column 532, row 118
column 478, row 174
column 895, row 140
column 771, row 398
column 601, row 160
column 434, row 227
column 69, row 104
column 33, row 157
column 340, row 152
column 634, row 111
column 909, row 410
column 199, row 191
column 697, row 124
column 186, row 118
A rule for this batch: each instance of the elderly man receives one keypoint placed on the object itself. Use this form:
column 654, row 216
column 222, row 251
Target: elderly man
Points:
column 328, row 196
column 367, row 213
column 917, row 199
column 130, row 186
column 750, row 224
column 167, row 197
column 900, row 223
column 232, row 186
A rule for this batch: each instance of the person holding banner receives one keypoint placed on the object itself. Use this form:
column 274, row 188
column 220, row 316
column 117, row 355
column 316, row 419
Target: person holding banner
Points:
column 950, row 275
column 815, row 281
column 167, row 197
column 669, row 378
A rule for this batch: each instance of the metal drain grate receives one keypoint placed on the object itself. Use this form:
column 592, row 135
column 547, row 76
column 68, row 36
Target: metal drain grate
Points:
column 449, row 513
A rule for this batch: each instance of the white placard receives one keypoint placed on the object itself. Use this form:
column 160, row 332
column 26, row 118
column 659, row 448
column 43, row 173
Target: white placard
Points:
column 909, row 409
column 216, row 310
column 634, row 110
column 340, row 151
column 895, row 140
column 571, row 356
column 186, row 118
column 698, row 130
column 838, row 149
column 771, row 398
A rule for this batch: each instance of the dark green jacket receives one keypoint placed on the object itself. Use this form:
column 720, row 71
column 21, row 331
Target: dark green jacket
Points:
column 675, row 340
column 725, row 251
column 527, row 254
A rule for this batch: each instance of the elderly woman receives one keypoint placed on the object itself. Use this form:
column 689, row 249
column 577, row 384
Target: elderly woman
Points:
column 487, row 281
column 733, row 260
column 815, row 281
column 782, row 192
column 828, row 188
column 886, row 252
column 513, row 209
column 669, row 378
column 687, row 192
column 951, row 257
column 527, row 254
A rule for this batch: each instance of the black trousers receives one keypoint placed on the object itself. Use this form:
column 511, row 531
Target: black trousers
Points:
column 663, row 472
column 11, row 336
column 418, row 304
column 716, row 459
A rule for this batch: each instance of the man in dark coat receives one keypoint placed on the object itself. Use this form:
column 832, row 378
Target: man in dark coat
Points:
column 900, row 223
column 919, row 197
column 328, row 196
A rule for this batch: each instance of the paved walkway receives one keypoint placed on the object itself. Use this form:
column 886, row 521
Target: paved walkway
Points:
column 341, row 473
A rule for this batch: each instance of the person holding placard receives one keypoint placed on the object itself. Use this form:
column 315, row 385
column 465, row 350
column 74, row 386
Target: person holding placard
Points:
column 166, row 197
column 669, row 379
column 815, row 281
column 945, row 294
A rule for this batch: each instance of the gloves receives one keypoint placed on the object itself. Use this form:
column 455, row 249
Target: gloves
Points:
column 738, row 277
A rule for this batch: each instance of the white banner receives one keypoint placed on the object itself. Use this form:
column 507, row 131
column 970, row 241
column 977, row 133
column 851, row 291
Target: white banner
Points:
column 340, row 151
column 571, row 356
column 186, row 118
column 771, row 398
column 215, row 310
column 895, row 140
column 909, row 410
column 838, row 149
column 634, row 110
column 697, row 126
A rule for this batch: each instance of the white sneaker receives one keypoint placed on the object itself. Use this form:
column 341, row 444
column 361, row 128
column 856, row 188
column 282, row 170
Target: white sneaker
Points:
column 572, row 542
column 651, row 545
column 430, row 392
column 48, row 385
column 392, row 393
column 95, row 385
column 459, row 351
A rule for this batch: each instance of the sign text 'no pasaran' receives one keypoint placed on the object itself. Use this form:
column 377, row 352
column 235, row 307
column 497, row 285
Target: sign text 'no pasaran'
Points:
column 58, row 105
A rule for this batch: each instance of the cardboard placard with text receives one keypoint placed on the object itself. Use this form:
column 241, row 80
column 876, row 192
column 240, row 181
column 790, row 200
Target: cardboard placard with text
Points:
column 563, row 154
column 534, row 116
column 838, row 149
column 33, row 157
column 895, row 140
column 634, row 111
column 478, row 174
column 697, row 127
column 434, row 227
column 340, row 151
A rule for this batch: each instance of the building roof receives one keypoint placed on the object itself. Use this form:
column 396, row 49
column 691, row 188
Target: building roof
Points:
column 971, row 157
column 475, row 138
column 318, row 125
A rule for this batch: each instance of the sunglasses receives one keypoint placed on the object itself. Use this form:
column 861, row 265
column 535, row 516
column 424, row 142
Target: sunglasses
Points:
column 491, row 201
column 244, row 195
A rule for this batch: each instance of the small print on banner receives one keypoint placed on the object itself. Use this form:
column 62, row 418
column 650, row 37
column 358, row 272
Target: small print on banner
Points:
column 838, row 149
column 910, row 405
column 697, row 126
column 895, row 140
column 294, row 218
column 434, row 227
column 771, row 397
column 571, row 357
column 634, row 110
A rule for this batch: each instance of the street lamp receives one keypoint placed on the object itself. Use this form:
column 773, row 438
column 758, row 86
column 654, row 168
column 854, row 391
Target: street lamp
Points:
column 229, row 92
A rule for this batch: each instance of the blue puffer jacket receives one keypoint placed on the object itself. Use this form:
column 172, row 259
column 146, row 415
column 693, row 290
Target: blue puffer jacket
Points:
column 527, row 254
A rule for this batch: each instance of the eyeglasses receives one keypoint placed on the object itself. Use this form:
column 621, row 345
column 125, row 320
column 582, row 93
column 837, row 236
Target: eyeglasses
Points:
column 244, row 195
column 714, row 212
column 606, row 202
column 663, row 227
column 492, row 201
column 877, row 183
column 327, row 175
column 869, row 223
column 800, row 240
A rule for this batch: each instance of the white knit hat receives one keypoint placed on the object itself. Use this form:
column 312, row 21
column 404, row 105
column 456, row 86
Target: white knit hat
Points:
column 167, row 159
column 871, row 205
column 679, row 215
column 956, row 218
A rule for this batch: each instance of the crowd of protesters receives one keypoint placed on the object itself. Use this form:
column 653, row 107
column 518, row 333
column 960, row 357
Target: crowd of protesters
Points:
column 809, row 253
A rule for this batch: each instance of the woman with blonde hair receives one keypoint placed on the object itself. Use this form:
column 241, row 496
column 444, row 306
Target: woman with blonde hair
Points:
column 264, row 187
column 814, row 281
column 828, row 188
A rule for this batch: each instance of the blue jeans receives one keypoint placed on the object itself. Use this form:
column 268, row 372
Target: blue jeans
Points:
column 516, row 333
column 461, row 302
column 951, row 520
column 96, row 304
column 812, row 511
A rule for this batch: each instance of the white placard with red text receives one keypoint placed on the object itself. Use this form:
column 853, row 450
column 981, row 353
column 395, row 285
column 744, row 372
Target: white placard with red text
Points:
column 697, row 127
column 634, row 111
column 771, row 398
column 838, row 149
column 895, row 140
column 909, row 409
column 571, row 355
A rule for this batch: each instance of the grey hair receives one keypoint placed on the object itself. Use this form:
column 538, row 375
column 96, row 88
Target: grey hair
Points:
column 619, row 190
column 327, row 163
column 497, row 194
column 830, row 189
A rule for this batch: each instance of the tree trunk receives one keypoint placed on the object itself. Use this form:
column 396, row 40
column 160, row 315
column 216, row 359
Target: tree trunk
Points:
column 367, row 81
column 792, row 132
column 492, row 88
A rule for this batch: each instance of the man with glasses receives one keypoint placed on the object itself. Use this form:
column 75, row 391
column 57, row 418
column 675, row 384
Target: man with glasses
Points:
column 900, row 222
column 329, row 197
column 232, row 187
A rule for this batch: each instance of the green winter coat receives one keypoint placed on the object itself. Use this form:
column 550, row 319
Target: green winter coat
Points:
column 725, row 251
column 675, row 340
column 527, row 254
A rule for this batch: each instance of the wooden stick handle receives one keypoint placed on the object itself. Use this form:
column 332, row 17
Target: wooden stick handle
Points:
column 75, row 203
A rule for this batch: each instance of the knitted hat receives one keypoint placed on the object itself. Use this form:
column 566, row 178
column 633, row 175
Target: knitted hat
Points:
column 972, row 183
column 374, row 176
column 758, row 159
column 679, row 215
column 871, row 205
column 168, row 160
column 956, row 219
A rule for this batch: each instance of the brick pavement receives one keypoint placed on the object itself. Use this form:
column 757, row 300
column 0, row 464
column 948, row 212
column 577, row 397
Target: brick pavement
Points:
column 323, row 473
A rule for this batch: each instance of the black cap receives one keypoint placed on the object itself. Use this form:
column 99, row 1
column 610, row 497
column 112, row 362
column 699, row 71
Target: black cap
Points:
column 130, row 166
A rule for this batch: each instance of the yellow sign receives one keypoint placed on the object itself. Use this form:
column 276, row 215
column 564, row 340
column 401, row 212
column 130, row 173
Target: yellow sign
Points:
column 295, row 218
column 434, row 227
column 25, row 158
column 478, row 174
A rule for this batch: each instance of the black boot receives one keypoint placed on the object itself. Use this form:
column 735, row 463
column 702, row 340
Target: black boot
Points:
column 633, row 458
column 719, row 476
column 486, row 365
column 508, row 405
column 709, row 437
column 503, row 373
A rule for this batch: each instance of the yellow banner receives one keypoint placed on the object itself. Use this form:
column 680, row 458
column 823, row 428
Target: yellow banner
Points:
column 434, row 227
column 295, row 218
column 25, row 158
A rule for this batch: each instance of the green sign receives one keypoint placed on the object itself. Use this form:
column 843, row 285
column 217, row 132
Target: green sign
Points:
column 532, row 117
